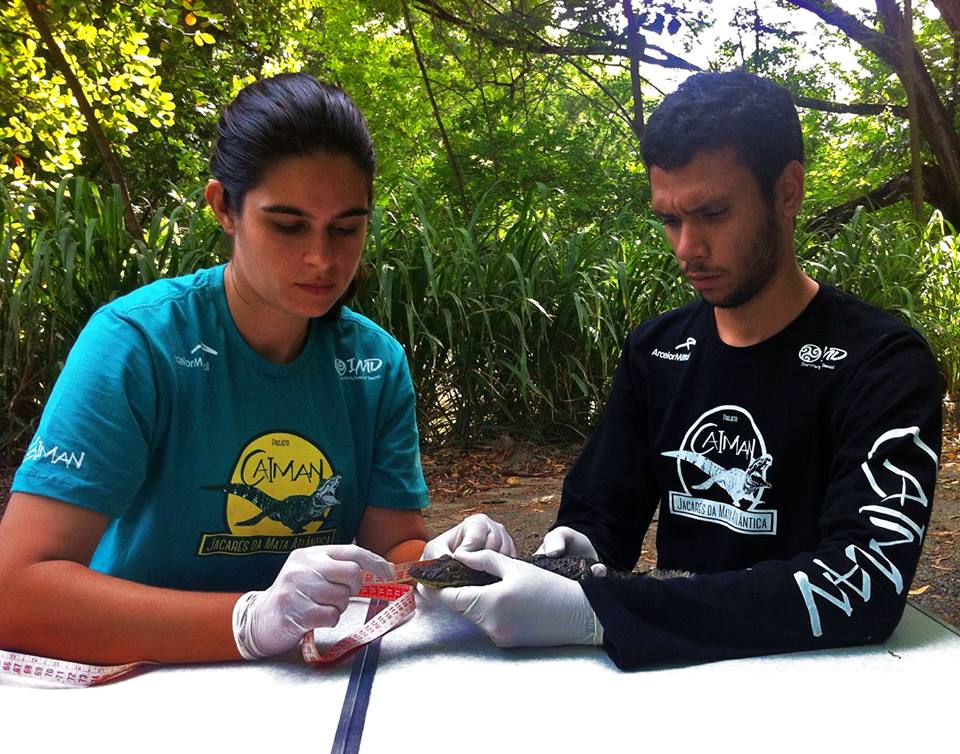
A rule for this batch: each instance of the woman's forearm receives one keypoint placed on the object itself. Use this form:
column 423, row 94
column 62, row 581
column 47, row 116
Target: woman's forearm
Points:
column 65, row 610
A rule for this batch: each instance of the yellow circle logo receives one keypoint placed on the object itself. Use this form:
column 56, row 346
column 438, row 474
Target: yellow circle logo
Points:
column 282, row 484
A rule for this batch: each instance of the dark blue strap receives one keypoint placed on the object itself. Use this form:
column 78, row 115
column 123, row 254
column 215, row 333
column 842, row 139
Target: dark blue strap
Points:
column 354, row 711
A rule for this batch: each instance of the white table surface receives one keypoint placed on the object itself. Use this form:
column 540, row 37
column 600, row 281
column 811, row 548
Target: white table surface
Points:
column 441, row 686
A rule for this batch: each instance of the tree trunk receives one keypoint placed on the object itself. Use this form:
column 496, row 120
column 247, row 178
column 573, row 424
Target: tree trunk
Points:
column 56, row 58
column 906, row 41
column 950, row 13
column 635, row 51
column 935, row 123
column 451, row 155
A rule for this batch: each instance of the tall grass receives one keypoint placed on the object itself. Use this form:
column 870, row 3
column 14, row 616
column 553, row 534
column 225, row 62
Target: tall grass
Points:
column 511, row 321
column 62, row 255
column 903, row 267
column 517, row 325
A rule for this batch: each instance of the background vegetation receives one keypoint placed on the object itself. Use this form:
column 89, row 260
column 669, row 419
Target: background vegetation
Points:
column 511, row 247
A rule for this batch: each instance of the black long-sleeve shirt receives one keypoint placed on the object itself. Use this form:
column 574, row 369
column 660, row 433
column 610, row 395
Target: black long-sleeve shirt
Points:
column 794, row 477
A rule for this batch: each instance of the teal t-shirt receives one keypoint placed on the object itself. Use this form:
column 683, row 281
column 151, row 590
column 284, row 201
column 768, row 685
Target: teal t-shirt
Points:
column 211, row 462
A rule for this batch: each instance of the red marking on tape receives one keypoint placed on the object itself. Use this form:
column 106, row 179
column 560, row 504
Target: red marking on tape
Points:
column 402, row 605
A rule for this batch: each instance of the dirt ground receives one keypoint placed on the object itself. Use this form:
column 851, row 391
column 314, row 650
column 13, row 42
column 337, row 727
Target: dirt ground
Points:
column 519, row 485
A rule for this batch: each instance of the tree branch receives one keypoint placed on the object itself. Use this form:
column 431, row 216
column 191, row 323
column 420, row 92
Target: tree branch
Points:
column 663, row 58
column 932, row 119
column 871, row 39
column 899, row 187
column 934, row 122
column 853, row 108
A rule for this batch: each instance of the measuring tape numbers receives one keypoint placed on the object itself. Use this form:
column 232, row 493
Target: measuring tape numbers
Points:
column 46, row 671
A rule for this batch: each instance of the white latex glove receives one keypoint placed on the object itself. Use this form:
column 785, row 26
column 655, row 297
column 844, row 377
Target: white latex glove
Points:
column 476, row 532
column 311, row 590
column 530, row 607
column 566, row 541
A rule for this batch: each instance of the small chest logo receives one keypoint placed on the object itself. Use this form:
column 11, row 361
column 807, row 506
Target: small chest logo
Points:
column 196, row 358
column 821, row 357
column 680, row 352
column 358, row 369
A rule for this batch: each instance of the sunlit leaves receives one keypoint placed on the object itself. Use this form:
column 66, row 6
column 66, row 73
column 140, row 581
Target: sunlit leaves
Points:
column 108, row 51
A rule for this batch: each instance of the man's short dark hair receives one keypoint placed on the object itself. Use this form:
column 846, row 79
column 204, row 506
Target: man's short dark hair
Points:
column 753, row 116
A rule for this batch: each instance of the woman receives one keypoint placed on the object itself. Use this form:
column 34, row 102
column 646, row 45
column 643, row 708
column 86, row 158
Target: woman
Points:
column 231, row 430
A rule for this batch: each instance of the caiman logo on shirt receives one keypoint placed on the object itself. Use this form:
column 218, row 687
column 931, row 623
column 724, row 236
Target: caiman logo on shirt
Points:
column 723, row 458
column 279, row 498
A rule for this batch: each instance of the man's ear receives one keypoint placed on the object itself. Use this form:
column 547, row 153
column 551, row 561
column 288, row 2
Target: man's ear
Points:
column 788, row 190
column 214, row 193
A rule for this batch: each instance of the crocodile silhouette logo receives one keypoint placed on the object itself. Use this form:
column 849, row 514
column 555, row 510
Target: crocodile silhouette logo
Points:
column 722, row 464
column 739, row 484
column 293, row 511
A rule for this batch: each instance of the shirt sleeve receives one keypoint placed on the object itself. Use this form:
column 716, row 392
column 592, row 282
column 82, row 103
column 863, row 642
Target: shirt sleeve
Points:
column 397, row 475
column 91, row 447
column 608, row 493
column 852, row 589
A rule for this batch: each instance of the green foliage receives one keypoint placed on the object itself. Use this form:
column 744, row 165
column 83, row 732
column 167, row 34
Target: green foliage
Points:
column 106, row 46
column 63, row 254
column 155, row 71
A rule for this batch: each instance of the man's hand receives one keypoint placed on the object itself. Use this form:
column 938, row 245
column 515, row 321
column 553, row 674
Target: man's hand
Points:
column 311, row 590
column 566, row 541
column 477, row 532
column 529, row 607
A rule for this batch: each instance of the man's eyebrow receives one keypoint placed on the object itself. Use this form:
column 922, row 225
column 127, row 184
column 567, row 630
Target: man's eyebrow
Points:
column 286, row 209
column 708, row 205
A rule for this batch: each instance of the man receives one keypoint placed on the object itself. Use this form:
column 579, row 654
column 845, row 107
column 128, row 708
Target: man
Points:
column 789, row 432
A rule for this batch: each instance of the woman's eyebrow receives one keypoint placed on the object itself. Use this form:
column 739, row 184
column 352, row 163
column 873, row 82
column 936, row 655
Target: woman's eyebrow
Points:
column 286, row 209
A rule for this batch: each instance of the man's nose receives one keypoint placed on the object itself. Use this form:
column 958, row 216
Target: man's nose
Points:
column 690, row 243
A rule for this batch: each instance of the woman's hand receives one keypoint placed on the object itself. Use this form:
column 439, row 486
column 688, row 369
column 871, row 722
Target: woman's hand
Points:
column 311, row 591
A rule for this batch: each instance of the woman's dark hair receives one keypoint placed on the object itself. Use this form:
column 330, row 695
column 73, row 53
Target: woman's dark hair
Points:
column 288, row 115
column 284, row 116
column 753, row 116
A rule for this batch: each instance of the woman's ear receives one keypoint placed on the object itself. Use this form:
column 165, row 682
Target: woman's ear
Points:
column 215, row 195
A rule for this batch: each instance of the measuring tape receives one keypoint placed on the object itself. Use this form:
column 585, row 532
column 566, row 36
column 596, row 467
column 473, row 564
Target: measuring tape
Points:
column 45, row 671
column 49, row 672
column 396, row 591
